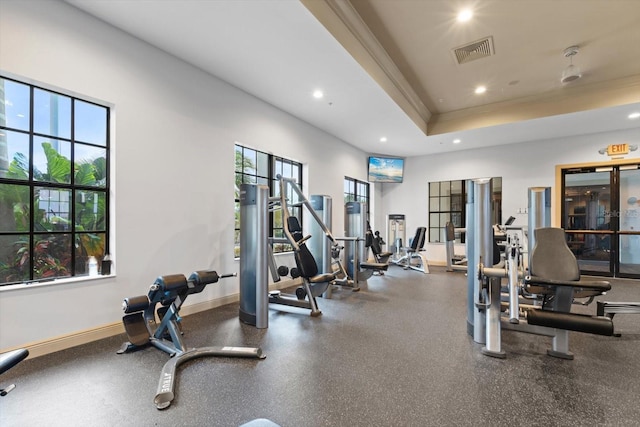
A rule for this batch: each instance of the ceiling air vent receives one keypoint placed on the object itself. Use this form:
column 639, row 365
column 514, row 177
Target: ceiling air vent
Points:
column 470, row 52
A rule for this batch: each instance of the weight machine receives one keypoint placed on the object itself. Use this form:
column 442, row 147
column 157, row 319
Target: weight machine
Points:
column 359, row 240
column 352, row 245
column 537, row 300
column 162, row 303
column 455, row 262
column 396, row 235
column 256, row 255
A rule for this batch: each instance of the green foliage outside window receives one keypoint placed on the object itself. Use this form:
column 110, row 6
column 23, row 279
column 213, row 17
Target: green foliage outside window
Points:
column 53, row 210
column 256, row 167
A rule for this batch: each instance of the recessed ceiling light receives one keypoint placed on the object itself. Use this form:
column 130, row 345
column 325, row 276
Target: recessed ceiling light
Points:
column 465, row 15
column 480, row 89
column 635, row 115
column 383, row 139
column 457, row 141
column 318, row 94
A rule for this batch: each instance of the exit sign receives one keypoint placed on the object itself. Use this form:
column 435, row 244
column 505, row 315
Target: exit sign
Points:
column 617, row 149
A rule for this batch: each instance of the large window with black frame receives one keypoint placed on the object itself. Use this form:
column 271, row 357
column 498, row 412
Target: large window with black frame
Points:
column 447, row 203
column 356, row 191
column 54, row 183
column 257, row 167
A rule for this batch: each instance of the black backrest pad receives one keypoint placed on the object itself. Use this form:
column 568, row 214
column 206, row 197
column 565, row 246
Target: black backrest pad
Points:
column 368, row 239
column 551, row 258
column 306, row 262
column 450, row 232
column 418, row 240
column 375, row 247
column 293, row 225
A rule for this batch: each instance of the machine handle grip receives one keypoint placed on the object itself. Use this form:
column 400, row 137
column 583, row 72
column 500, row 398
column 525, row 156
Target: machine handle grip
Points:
column 304, row 239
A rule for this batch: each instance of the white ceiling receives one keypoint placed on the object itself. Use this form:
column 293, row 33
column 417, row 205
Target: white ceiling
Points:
column 386, row 67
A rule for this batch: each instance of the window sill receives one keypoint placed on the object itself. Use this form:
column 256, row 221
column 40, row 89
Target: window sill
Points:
column 62, row 281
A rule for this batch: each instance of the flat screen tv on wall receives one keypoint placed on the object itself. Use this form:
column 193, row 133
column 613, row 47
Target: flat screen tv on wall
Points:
column 386, row 169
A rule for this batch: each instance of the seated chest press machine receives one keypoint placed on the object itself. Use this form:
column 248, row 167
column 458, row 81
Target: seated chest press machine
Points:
column 380, row 257
column 166, row 296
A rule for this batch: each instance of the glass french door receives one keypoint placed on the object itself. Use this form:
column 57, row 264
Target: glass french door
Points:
column 629, row 224
column 601, row 217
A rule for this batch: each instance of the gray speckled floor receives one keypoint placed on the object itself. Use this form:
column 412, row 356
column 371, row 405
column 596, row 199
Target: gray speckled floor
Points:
column 395, row 354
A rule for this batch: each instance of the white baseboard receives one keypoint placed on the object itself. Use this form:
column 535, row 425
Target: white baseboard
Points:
column 63, row 342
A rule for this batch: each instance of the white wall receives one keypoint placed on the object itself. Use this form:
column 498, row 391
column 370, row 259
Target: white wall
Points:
column 520, row 165
column 175, row 129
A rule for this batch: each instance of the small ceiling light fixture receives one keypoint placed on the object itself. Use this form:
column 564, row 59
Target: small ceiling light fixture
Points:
column 457, row 141
column 318, row 94
column 465, row 15
column 480, row 90
column 572, row 72
column 383, row 139
column 634, row 116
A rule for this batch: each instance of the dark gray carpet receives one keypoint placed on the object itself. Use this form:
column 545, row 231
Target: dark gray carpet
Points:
column 395, row 354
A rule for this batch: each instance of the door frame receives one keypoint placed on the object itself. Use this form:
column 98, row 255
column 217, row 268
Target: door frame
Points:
column 556, row 217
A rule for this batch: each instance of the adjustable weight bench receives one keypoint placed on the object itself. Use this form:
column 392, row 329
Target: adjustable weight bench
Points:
column 7, row 361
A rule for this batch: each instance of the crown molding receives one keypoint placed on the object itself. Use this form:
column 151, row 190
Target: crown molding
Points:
column 341, row 19
column 583, row 97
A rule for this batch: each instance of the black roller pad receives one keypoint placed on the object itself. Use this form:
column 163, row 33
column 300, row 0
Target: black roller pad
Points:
column 571, row 322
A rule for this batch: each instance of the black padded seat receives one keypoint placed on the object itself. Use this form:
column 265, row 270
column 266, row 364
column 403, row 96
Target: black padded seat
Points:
column 321, row 278
column 552, row 264
column 375, row 266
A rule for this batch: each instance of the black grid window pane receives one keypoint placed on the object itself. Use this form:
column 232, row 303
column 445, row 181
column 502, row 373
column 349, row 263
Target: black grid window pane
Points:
column 51, row 114
column 262, row 164
column 434, row 189
column 257, row 167
column 250, row 161
column 445, row 205
column 356, row 191
column 54, row 183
